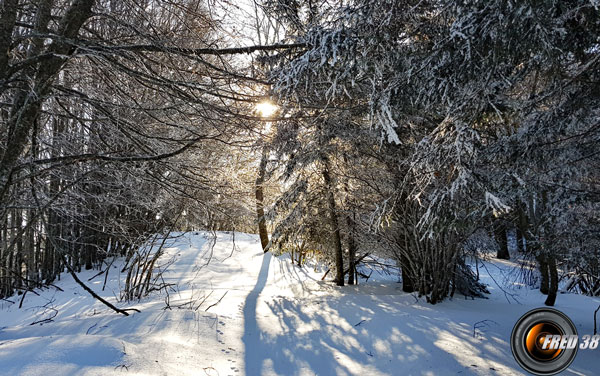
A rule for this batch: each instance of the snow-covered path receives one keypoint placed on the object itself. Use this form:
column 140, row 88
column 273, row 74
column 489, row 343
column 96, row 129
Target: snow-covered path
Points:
column 272, row 318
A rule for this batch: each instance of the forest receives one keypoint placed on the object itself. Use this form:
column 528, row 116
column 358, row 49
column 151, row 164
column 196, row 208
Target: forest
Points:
column 417, row 132
column 296, row 187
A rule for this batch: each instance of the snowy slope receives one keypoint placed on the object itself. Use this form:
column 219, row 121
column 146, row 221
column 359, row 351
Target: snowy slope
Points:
column 272, row 318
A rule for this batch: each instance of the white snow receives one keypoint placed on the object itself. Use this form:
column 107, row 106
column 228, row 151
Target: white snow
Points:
column 274, row 318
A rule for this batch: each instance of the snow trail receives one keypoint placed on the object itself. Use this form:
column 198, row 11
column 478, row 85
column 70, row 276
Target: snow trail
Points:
column 273, row 319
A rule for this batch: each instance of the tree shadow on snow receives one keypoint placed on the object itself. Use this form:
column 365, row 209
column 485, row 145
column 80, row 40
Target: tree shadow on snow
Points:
column 251, row 338
column 366, row 334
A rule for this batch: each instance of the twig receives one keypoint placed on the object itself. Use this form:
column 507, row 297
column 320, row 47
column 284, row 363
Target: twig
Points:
column 356, row 262
column 414, row 295
column 481, row 324
column 95, row 275
column 56, row 287
column 595, row 313
column 90, row 328
column 360, row 322
column 203, row 300
column 197, row 268
column 366, row 277
column 22, row 298
column 48, row 319
column 106, row 271
column 506, row 294
column 218, row 301
column 233, row 248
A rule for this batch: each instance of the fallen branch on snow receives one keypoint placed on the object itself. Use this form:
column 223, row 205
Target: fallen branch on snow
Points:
column 92, row 293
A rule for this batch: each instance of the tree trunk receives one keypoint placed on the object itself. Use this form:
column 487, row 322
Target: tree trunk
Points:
column 522, row 229
column 28, row 102
column 544, row 274
column 260, row 211
column 407, row 277
column 500, row 235
column 351, row 251
column 337, row 242
column 520, row 237
column 301, row 253
column 8, row 10
column 553, row 286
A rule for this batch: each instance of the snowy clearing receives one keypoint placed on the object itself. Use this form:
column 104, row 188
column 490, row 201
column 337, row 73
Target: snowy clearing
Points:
column 272, row 318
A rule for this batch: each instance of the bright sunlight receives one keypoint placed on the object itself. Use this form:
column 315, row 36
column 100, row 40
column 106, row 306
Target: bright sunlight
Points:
column 266, row 108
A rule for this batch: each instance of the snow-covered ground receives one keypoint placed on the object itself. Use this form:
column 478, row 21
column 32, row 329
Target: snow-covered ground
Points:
column 272, row 318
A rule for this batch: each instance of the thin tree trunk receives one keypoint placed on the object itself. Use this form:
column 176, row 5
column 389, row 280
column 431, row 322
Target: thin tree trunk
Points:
column 544, row 274
column 351, row 251
column 260, row 211
column 337, row 242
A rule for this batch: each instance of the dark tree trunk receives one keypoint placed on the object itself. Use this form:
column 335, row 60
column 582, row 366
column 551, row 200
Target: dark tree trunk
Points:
column 544, row 274
column 553, row 285
column 19, row 257
column 260, row 211
column 500, row 235
column 407, row 277
column 351, row 251
column 301, row 254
